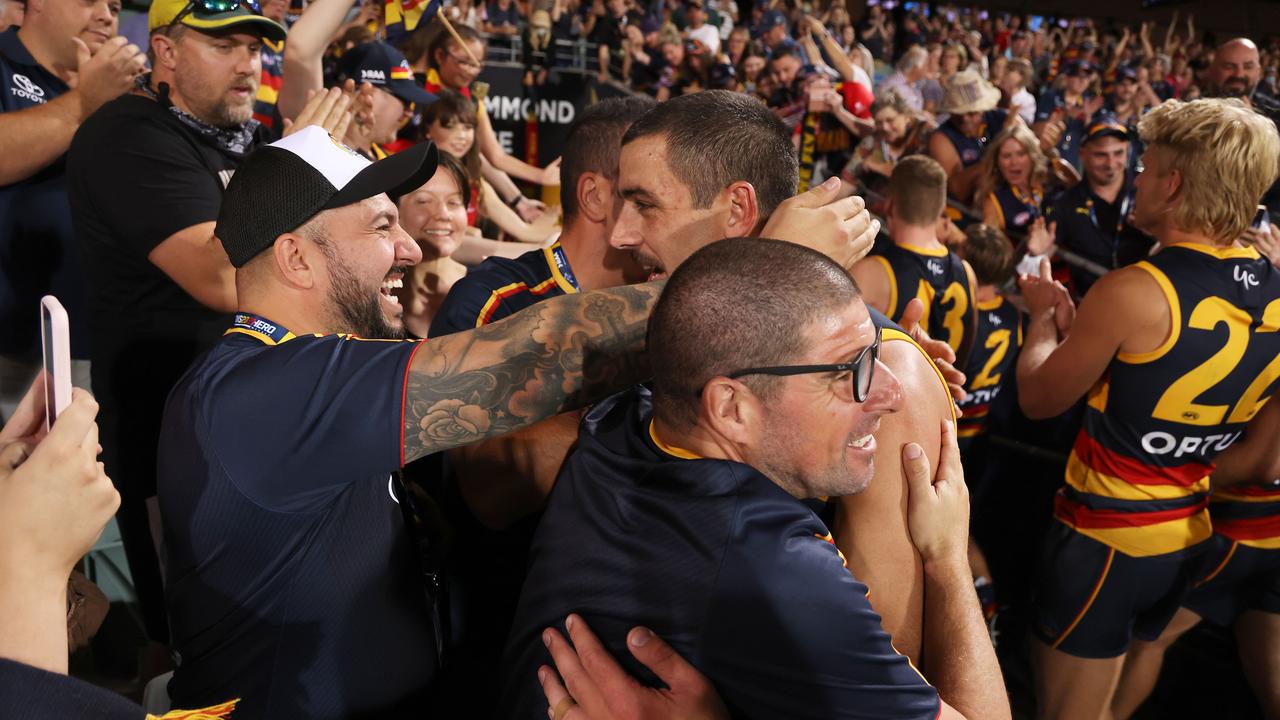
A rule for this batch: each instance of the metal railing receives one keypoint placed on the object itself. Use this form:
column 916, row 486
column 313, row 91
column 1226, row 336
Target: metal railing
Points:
column 577, row 56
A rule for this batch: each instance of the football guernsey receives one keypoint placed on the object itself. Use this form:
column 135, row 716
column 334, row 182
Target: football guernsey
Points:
column 935, row 275
column 1138, row 476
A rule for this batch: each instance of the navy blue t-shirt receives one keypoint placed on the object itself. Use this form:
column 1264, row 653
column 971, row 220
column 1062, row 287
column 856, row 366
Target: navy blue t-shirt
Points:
column 37, row 246
column 292, row 583
column 738, row 575
column 499, row 287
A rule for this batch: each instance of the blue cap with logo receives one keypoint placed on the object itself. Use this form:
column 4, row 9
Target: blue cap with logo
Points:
column 382, row 66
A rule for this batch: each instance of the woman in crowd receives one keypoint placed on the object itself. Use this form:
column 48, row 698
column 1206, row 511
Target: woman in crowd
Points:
column 751, row 67
column 955, row 57
column 960, row 143
column 900, row 131
column 451, row 123
column 1013, row 180
column 436, row 216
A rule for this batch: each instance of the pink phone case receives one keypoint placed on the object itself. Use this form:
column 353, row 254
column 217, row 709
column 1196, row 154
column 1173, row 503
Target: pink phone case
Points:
column 55, row 338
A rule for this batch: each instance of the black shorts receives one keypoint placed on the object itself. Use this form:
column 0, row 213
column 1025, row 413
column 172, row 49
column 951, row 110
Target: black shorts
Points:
column 1091, row 600
column 1238, row 578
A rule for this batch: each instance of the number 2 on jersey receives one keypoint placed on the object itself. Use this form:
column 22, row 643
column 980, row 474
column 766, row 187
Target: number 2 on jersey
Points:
column 1178, row 403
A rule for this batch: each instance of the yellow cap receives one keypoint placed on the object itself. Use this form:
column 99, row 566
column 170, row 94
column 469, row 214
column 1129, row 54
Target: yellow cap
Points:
column 196, row 16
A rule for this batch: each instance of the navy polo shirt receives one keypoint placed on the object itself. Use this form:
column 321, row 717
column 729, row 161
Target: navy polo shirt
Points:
column 37, row 246
column 292, row 583
column 1096, row 230
column 738, row 575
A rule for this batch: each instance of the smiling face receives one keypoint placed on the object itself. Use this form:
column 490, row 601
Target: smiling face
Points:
column 816, row 439
column 457, row 69
column 366, row 254
column 891, row 125
column 1014, row 163
column 1154, row 189
column 1104, row 160
column 1235, row 71
column 785, row 69
column 435, row 215
column 657, row 222
column 389, row 114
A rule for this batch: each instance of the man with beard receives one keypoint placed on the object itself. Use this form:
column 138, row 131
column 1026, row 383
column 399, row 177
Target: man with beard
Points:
column 145, row 176
column 1236, row 72
column 292, row 583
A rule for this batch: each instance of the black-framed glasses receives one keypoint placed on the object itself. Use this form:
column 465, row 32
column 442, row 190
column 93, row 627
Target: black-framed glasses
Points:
column 213, row 7
column 862, row 369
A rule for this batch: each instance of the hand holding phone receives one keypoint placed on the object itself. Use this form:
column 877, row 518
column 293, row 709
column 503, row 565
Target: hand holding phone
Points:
column 55, row 338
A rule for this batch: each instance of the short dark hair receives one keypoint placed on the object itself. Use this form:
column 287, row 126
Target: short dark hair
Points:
column 718, row 137
column 737, row 303
column 990, row 254
column 786, row 51
column 918, row 189
column 593, row 144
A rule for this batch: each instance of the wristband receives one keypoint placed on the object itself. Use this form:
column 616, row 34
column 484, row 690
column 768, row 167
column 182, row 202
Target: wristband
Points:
column 513, row 202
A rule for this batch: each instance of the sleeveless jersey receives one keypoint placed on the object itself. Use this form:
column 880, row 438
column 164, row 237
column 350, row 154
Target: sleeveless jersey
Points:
column 938, row 278
column 970, row 149
column 991, row 362
column 1138, row 476
column 1017, row 211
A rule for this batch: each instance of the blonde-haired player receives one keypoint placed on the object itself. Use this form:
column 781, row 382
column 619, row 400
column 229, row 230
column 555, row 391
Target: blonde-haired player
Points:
column 1175, row 354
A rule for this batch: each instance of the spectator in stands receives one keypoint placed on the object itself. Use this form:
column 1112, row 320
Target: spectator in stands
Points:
column 876, row 32
column 708, row 36
column 1015, row 96
column 900, row 132
column 1075, row 105
column 752, row 71
column 435, row 216
column 502, row 18
column 1235, row 72
column 450, row 123
column 960, row 143
column 1013, row 182
column 392, row 91
column 607, row 32
column 954, row 58
column 264, row 106
column 680, row 72
column 1092, row 218
column 644, row 49
column 773, row 32
column 908, row 75
column 736, row 45
column 62, row 43
column 145, row 176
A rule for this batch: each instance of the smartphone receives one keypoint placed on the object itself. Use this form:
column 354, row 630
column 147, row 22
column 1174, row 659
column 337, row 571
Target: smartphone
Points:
column 1063, row 24
column 1262, row 220
column 55, row 339
column 1034, row 22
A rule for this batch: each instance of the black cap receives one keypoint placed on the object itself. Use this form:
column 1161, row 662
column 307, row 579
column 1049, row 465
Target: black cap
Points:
column 1127, row 73
column 281, row 186
column 383, row 66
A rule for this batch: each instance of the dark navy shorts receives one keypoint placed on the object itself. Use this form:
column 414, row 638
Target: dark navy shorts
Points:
column 1238, row 578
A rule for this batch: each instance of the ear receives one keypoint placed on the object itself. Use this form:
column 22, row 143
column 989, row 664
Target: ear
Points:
column 744, row 211
column 595, row 197
column 297, row 260
column 165, row 49
column 731, row 410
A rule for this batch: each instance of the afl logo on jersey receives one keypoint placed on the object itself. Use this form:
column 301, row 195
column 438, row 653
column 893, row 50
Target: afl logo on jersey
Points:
column 969, row 156
column 24, row 88
column 1021, row 218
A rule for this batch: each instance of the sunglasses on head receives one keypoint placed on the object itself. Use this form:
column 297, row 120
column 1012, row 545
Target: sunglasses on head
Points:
column 862, row 369
column 204, row 8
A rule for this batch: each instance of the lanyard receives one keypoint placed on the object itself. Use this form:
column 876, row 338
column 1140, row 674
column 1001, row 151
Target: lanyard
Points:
column 1125, row 198
column 1034, row 202
column 562, row 264
column 263, row 329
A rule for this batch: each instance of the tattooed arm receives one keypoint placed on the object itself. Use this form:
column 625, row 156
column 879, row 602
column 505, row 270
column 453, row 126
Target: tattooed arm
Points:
column 555, row 356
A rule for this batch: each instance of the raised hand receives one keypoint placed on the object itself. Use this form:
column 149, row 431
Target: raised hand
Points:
column 330, row 109
column 107, row 74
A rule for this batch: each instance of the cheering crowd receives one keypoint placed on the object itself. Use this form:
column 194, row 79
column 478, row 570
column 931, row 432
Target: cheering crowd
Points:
column 864, row 361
